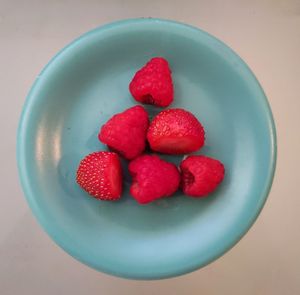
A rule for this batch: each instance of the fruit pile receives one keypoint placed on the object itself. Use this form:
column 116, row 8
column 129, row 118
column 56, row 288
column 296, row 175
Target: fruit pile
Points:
column 172, row 131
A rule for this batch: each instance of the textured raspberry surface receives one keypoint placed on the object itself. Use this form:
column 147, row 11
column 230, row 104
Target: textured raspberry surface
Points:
column 153, row 178
column 126, row 132
column 152, row 84
column 100, row 175
column 175, row 131
column 200, row 175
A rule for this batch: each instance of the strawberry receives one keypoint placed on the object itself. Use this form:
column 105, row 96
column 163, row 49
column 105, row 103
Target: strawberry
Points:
column 175, row 131
column 153, row 178
column 100, row 175
column 152, row 84
column 200, row 175
column 126, row 132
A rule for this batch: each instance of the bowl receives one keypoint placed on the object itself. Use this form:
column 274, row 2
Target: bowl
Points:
column 84, row 85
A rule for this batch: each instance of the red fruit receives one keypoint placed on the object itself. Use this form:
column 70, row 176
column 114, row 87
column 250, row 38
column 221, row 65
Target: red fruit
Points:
column 175, row 131
column 152, row 84
column 126, row 132
column 153, row 178
column 100, row 175
column 200, row 175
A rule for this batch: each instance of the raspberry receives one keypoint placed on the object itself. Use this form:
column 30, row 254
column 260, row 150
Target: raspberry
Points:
column 126, row 132
column 200, row 175
column 175, row 131
column 152, row 84
column 100, row 175
column 153, row 178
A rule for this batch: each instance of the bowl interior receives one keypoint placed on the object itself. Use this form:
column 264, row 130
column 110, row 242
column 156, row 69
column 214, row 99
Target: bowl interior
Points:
column 88, row 82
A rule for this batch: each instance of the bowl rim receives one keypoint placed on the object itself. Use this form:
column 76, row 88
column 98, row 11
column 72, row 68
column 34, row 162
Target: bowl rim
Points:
column 32, row 98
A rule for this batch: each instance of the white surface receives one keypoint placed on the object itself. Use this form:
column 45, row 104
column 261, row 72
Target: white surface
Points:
column 266, row 34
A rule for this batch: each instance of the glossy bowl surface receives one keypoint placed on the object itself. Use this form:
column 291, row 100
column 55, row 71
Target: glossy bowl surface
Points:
column 84, row 85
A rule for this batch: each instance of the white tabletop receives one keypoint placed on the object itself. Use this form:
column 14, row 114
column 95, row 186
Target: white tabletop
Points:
column 266, row 34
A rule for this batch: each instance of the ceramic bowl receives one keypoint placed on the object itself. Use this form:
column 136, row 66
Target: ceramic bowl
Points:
column 82, row 87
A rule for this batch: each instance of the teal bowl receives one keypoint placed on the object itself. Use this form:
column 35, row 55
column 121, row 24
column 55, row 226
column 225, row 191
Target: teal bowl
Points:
column 84, row 85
